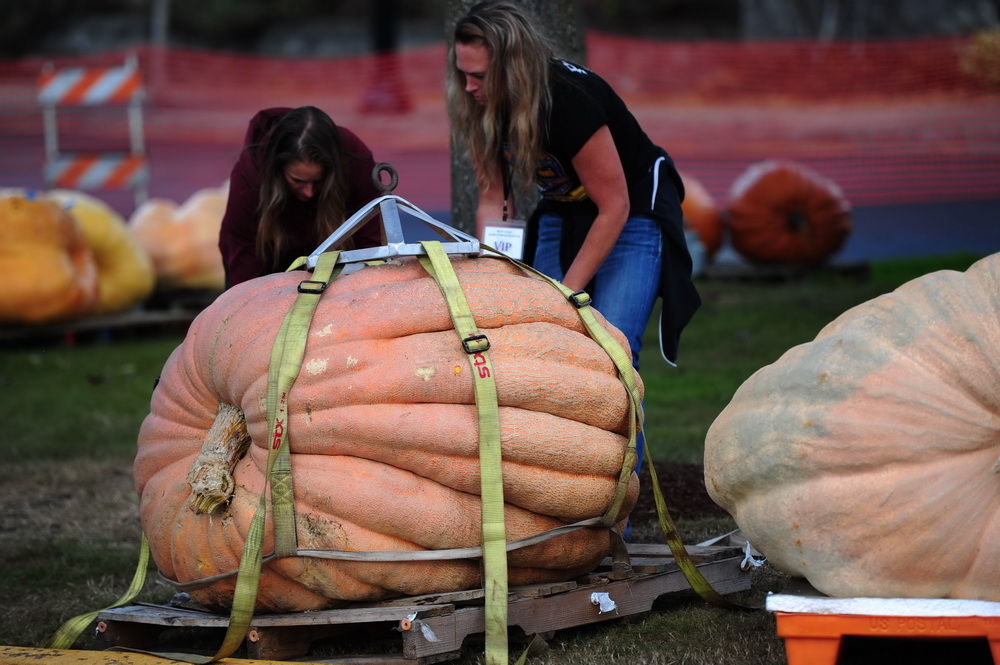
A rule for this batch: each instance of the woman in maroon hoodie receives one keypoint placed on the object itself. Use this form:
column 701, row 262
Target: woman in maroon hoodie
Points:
column 298, row 177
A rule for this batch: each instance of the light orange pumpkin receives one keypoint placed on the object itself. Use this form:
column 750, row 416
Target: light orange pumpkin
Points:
column 702, row 215
column 866, row 460
column 383, row 434
column 183, row 240
column 124, row 268
column 781, row 212
column 49, row 272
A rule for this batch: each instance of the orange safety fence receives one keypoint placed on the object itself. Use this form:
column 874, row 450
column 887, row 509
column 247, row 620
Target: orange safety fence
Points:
column 894, row 121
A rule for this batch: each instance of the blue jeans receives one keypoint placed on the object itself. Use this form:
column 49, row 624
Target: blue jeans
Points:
column 626, row 285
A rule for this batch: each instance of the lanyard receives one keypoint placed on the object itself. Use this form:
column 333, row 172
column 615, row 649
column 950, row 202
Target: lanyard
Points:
column 506, row 177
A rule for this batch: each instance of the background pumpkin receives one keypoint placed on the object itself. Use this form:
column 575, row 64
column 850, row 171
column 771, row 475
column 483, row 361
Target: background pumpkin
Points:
column 383, row 434
column 702, row 215
column 124, row 270
column 781, row 212
column 183, row 240
column 49, row 273
column 865, row 460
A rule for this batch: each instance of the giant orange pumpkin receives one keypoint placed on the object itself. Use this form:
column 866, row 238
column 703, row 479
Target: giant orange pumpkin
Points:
column 784, row 213
column 866, row 460
column 49, row 272
column 383, row 435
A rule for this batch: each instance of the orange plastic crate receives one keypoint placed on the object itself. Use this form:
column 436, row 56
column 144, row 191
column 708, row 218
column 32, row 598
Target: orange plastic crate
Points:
column 813, row 627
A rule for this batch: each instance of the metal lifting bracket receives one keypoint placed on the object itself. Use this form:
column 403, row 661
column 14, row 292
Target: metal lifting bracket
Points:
column 389, row 206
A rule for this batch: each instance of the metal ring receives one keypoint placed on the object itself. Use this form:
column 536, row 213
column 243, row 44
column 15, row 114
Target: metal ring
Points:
column 377, row 177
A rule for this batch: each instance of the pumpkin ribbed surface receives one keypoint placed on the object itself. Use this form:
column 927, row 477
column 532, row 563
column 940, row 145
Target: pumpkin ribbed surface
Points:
column 865, row 460
column 383, row 434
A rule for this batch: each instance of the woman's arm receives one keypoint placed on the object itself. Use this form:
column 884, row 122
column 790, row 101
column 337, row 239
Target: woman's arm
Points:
column 600, row 171
column 238, row 233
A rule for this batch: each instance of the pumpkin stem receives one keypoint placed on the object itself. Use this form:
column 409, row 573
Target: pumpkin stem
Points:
column 211, row 474
column 798, row 221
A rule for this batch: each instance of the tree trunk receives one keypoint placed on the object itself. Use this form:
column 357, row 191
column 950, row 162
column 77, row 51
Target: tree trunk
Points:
column 560, row 20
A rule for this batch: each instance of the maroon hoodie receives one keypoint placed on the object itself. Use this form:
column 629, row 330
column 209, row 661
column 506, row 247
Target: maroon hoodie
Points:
column 238, row 235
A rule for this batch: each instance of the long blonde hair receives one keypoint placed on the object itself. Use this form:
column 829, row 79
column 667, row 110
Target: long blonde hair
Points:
column 515, row 87
column 304, row 134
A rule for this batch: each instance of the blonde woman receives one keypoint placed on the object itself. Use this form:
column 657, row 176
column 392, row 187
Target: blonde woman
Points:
column 298, row 177
column 609, row 221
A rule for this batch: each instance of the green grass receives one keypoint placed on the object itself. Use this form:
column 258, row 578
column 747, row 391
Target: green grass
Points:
column 69, row 531
column 77, row 401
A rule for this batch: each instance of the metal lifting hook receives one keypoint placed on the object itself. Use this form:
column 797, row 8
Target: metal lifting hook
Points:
column 377, row 177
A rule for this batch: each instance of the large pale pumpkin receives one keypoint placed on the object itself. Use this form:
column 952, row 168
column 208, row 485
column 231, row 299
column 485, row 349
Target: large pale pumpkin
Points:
column 124, row 268
column 183, row 240
column 383, row 434
column 866, row 460
column 49, row 272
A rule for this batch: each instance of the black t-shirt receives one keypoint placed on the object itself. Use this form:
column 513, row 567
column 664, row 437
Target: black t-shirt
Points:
column 583, row 102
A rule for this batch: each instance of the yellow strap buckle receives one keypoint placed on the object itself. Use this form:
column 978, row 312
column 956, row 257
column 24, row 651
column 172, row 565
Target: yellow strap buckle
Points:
column 476, row 344
column 312, row 286
column 580, row 298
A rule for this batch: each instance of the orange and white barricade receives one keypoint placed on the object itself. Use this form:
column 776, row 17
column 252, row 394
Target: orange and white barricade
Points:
column 95, row 87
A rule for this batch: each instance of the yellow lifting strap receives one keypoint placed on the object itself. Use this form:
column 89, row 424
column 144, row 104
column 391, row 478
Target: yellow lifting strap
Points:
column 476, row 346
column 693, row 576
column 286, row 360
column 283, row 368
column 71, row 630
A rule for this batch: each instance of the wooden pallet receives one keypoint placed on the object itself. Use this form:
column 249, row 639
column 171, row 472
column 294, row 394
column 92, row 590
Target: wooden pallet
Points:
column 172, row 311
column 98, row 326
column 432, row 628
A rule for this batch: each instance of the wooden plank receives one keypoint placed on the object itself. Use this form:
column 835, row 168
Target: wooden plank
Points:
column 177, row 617
column 163, row 615
column 539, row 590
column 574, row 608
column 476, row 595
column 653, row 565
column 352, row 615
column 449, row 598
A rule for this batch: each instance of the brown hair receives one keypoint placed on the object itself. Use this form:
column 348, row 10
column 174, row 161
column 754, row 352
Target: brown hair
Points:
column 304, row 134
column 516, row 86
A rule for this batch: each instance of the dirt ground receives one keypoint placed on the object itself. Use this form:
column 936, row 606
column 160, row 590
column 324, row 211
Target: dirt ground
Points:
column 683, row 487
